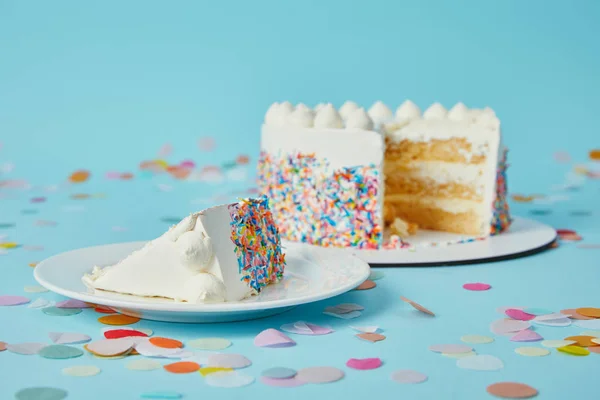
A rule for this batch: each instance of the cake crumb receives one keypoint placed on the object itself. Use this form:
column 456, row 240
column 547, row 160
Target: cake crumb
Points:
column 403, row 228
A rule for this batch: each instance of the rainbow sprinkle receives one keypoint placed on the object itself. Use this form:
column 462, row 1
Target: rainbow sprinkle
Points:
column 501, row 218
column 258, row 247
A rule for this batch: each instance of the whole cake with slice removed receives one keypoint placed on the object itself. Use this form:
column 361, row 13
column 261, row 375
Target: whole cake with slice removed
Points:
column 224, row 253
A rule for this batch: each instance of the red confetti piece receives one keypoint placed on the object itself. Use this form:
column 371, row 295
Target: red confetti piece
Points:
column 477, row 287
column 121, row 333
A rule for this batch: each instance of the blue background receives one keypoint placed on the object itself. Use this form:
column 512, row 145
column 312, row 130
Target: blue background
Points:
column 103, row 85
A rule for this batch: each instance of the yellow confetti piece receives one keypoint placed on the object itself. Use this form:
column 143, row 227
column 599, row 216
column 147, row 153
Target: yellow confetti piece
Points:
column 574, row 350
column 210, row 370
column 79, row 176
column 33, row 264
column 532, row 351
column 477, row 339
column 580, row 169
column 161, row 163
column 143, row 364
column 81, row 370
column 8, row 245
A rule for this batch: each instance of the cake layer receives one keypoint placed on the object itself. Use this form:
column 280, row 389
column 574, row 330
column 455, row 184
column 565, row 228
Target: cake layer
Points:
column 455, row 150
column 400, row 184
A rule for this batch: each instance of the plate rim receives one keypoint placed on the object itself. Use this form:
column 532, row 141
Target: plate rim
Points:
column 180, row 307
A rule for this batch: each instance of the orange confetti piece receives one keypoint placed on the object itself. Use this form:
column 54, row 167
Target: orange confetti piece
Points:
column 591, row 312
column 366, row 285
column 118, row 319
column 522, row 199
column 595, row 154
column 417, row 306
column 33, row 264
column 2, row 346
column 371, row 337
column 594, row 349
column 512, row 390
column 242, row 159
column 80, row 196
column 126, row 176
column 583, row 341
column 166, row 343
column 79, row 176
column 209, row 370
column 182, row 367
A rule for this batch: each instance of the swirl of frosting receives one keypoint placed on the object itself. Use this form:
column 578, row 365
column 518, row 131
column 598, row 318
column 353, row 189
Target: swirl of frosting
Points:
column 348, row 108
column 360, row 119
column 328, row 117
column 319, row 106
column 301, row 117
column 379, row 112
column 459, row 112
column 408, row 111
column 272, row 114
column 195, row 250
column 204, row 288
column 487, row 117
column 435, row 111
column 278, row 114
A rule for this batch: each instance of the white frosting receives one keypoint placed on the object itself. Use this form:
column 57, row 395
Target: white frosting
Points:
column 328, row 117
column 380, row 113
column 348, row 108
column 195, row 250
column 408, row 111
column 301, row 117
column 286, row 107
column 302, row 106
column 319, row 106
column 272, row 115
column 359, row 119
column 459, row 112
column 435, row 111
column 278, row 114
column 442, row 172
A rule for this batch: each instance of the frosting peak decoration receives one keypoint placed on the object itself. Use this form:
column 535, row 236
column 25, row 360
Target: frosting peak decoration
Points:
column 459, row 112
column 278, row 114
column 301, row 117
column 328, row 117
column 348, row 109
column 408, row 111
column 379, row 112
column 435, row 111
column 359, row 119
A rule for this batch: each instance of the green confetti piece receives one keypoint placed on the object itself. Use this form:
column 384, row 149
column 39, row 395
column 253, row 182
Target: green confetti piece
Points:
column 60, row 352
column 161, row 395
column 41, row 393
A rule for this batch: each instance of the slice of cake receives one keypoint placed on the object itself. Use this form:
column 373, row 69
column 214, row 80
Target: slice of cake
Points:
column 224, row 253
column 343, row 178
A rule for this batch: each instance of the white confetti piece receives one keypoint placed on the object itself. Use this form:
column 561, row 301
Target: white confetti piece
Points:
column 343, row 314
column 476, row 339
column 408, row 376
column 558, row 320
column 366, row 329
column 147, row 349
column 68, row 337
column 111, row 347
column 450, row 348
column 553, row 344
column 143, row 364
column 459, row 355
column 593, row 324
column 199, row 357
column 320, row 375
column 483, row 362
column 234, row 361
column 503, row 326
column 35, row 289
column 228, row 379
column 590, row 333
column 25, row 349
column 81, row 370
column 209, row 343
column 41, row 303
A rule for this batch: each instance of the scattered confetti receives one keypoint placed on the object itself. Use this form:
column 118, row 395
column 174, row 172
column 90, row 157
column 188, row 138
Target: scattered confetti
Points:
column 364, row 363
column 476, row 339
column 61, row 312
column 511, row 390
column 25, row 349
column 182, row 367
column 166, row 343
column 504, row 326
column 209, row 343
column 366, row 285
column 228, row 379
column 118, row 319
column 476, row 286
column 553, row 344
column 275, row 382
column 110, row 347
column 68, row 338
column 60, row 352
column 279, row 373
column 122, row 333
column 408, row 376
column 526, row 335
column 81, row 370
column 273, row 338
column 591, row 312
column 583, row 341
column 593, row 324
column 41, row 393
column 459, row 355
column 532, row 351
column 573, row 314
column 205, row 371
column 371, row 337
column 2, row 346
column 481, row 362
column 234, row 361
column 35, row 289
column 161, row 395
column 315, row 375
column 552, row 320
column 365, row 329
column 13, row 300
column 537, row 311
column 79, row 176
column 574, row 350
column 143, row 364
column 417, row 306
column 147, row 349
column 305, row 328
column 519, row 314
column 450, row 348
column 72, row 303
column 343, row 315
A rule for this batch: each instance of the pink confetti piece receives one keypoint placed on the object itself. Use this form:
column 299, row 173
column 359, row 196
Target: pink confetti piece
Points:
column 111, row 347
column 288, row 382
column 477, row 287
column 72, row 303
column 7, row 300
column 38, row 199
column 450, row 348
column 364, row 364
column 188, row 164
column 273, row 338
column 112, row 175
column 526, row 336
column 304, row 328
column 165, row 150
column 519, row 314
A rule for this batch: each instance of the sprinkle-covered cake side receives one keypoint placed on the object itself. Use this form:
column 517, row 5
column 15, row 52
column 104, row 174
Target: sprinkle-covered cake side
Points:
column 501, row 219
column 258, row 246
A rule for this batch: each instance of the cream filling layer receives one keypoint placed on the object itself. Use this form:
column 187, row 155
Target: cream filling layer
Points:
column 453, row 206
column 440, row 172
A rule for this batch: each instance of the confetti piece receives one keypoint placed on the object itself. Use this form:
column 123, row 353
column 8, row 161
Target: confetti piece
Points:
column 532, row 351
column 450, row 348
column 25, row 349
column 511, row 390
column 594, row 349
column 33, row 264
column 81, row 370
column 583, row 341
column 68, row 338
column 72, row 303
column 234, row 361
column 553, row 344
column 537, row 311
column 573, row 314
column 161, row 395
column 316, row 375
column 166, row 343
column 519, row 314
column 123, row 333
column 591, row 312
column 147, row 349
column 182, row 367
column 13, row 300
column 408, row 376
column 143, row 364
column 305, row 328
column 273, row 338
column 595, row 155
column 229, row 379
column 79, row 176
column 275, row 382
column 136, row 331
column 110, row 347
column 375, row 275
column 118, row 319
column 41, row 393
column 366, row 285
column 476, row 339
column 364, row 364
column 35, row 289
column 365, row 329
column 279, row 373
column 553, row 320
column 343, row 315
column 60, row 352
column 482, row 362
column 593, row 324
column 595, row 340
column 104, row 310
column 540, row 212
column 417, row 306
column 61, row 312
column 8, row 245
column 2, row 346
column 209, row 343
column 347, row 307
column 526, row 335
column 476, row 286
column 591, row 333
column 38, row 199
column 371, row 337
column 574, row 350
column 459, row 355
column 205, row 371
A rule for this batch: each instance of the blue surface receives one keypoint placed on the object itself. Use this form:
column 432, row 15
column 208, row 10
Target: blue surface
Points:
column 103, row 86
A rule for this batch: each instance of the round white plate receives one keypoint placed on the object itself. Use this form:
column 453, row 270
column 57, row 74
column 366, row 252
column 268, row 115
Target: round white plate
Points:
column 310, row 275
column 524, row 237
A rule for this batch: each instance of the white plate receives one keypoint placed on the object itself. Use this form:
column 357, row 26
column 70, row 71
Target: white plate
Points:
column 310, row 275
column 524, row 237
